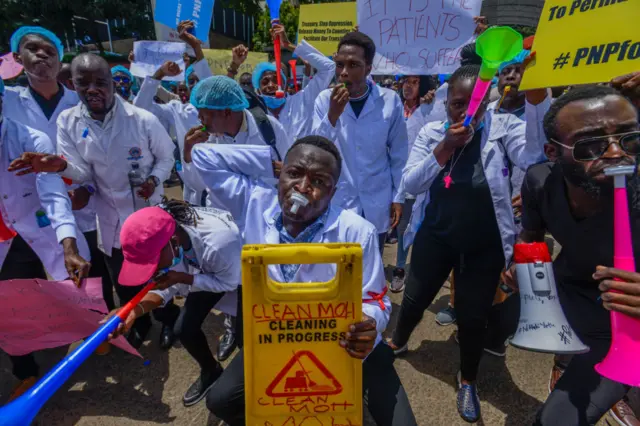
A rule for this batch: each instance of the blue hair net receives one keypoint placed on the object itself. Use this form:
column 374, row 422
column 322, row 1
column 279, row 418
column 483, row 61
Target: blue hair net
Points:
column 260, row 69
column 169, row 84
column 21, row 32
column 187, row 73
column 124, row 70
column 219, row 93
column 520, row 57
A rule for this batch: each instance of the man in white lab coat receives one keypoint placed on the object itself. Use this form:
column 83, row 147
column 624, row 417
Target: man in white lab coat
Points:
column 37, row 212
column 366, row 122
column 295, row 112
column 236, row 175
column 102, row 140
column 38, row 106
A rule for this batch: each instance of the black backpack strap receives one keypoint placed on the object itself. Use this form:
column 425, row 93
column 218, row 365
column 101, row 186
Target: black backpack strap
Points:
column 266, row 129
column 259, row 110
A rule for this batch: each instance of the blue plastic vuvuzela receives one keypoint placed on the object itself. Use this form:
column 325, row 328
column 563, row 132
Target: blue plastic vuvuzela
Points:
column 274, row 9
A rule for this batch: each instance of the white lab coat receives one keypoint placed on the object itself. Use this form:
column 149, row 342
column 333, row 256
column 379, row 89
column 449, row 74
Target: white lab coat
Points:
column 182, row 117
column 217, row 245
column 136, row 136
column 236, row 176
column 20, row 106
column 24, row 196
column 297, row 114
column 374, row 152
column 504, row 135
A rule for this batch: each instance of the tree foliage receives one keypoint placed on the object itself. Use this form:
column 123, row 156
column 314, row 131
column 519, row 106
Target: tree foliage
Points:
column 57, row 16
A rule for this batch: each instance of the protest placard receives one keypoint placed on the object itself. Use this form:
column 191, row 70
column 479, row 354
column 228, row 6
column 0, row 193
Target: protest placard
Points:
column 40, row 314
column 171, row 12
column 220, row 59
column 418, row 37
column 323, row 25
column 150, row 55
column 9, row 68
column 584, row 41
column 307, row 377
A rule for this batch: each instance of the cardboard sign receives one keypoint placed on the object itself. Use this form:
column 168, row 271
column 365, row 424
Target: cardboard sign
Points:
column 150, row 55
column 323, row 25
column 220, row 59
column 418, row 37
column 570, row 51
column 172, row 12
column 40, row 314
column 307, row 378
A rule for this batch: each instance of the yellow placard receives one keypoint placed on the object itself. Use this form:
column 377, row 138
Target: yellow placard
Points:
column 323, row 25
column 296, row 373
column 220, row 59
column 584, row 41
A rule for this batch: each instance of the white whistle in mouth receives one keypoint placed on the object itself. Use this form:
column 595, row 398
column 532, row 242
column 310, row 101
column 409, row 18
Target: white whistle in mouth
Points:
column 298, row 201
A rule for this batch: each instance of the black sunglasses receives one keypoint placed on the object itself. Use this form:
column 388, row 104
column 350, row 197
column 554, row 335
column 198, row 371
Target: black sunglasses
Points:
column 593, row 148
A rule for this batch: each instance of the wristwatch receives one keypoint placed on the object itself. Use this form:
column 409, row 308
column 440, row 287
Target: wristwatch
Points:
column 155, row 180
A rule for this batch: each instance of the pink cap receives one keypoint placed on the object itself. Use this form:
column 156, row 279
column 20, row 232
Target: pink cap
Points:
column 143, row 236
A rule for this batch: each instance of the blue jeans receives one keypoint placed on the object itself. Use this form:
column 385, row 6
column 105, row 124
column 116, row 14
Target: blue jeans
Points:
column 401, row 256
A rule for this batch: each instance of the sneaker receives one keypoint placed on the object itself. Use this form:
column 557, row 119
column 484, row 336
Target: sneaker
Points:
column 623, row 414
column 397, row 282
column 556, row 373
column 397, row 350
column 468, row 402
column 447, row 316
column 201, row 387
column 22, row 387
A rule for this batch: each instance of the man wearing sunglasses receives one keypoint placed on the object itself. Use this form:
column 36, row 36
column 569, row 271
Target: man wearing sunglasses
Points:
column 588, row 129
column 123, row 82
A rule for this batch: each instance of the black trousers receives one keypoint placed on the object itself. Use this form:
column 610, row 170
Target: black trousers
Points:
column 477, row 275
column 189, row 327
column 22, row 263
column 582, row 396
column 99, row 269
column 383, row 393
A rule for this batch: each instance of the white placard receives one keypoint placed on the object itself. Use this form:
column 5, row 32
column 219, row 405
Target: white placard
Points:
column 150, row 55
column 418, row 37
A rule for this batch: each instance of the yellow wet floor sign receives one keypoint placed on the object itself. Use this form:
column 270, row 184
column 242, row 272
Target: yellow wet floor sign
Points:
column 296, row 373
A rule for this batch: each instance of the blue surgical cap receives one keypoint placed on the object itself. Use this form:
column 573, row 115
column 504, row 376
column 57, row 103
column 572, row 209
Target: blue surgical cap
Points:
column 169, row 84
column 187, row 73
column 219, row 93
column 520, row 57
column 124, row 70
column 21, row 32
column 260, row 69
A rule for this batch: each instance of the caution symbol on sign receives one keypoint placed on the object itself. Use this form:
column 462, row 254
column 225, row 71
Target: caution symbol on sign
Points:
column 304, row 375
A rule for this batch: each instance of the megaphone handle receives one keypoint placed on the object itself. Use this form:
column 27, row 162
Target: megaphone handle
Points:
column 479, row 92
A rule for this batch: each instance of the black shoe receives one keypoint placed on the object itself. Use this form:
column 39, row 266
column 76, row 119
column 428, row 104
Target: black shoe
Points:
column 226, row 346
column 201, row 386
column 167, row 337
column 135, row 339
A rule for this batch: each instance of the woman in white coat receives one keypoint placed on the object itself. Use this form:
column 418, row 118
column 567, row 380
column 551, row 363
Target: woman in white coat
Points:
column 295, row 112
column 36, row 207
column 462, row 177
column 311, row 168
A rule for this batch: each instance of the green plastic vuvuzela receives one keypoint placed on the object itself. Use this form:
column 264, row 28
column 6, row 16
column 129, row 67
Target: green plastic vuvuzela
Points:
column 495, row 46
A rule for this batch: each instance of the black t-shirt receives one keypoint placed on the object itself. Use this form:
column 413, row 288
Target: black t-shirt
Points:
column 48, row 106
column 463, row 214
column 357, row 106
column 586, row 243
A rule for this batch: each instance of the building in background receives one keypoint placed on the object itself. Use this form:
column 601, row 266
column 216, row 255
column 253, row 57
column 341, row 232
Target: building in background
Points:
column 512, row 12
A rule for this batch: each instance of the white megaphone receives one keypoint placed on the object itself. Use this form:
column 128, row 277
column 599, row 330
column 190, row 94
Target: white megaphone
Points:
column 542, row 326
